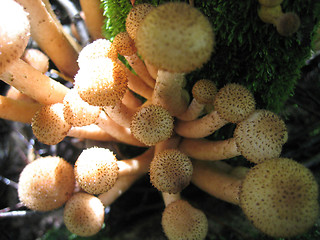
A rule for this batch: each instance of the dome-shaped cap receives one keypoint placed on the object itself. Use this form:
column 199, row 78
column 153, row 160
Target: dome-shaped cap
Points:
column 170, row 171
column 96, row 170
column 175, row 37
column 288, row 24
column 180, row 220
column 46, row 183
column 204, row 91
column 261, row 136
column 124, row 44
column 270, row 3
column 280, row 197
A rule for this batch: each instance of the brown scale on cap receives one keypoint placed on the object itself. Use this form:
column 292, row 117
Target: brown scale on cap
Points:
column 180, row 220
column 96, row 170
column 78, row 112
column 103, row 85
column 46, row 183
column 49, row 125
column 124, row 44
column 261, row 136
column 175, row 37
column 135, row 17
column 280, row 197
column 84, row 214
column 204, row 91
column 170, row 171
column 14, row 32
column 152, row 124
column 234, row 102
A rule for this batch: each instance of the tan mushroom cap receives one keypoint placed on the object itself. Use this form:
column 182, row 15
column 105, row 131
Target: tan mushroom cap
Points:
column 288, row 24
column 261, row 136
column 49, row 125
column 103, row 85
column 78, row 112
column 204, row 91
column 96, row 170
column 14, row 32
column 234, row 102
column 135, row 17
column 152, row 124
column 175, row 37
column 180, row 220
column 170, row 171
column 280, row 197
column 84, row 214
column 124, row 44
column 46, row 183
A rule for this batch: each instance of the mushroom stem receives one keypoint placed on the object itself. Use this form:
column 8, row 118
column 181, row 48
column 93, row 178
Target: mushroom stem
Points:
column 34, row 83
column 170, row 197
column 120, row 113
column 193, row 112
column 92, row 132
column 130, row 100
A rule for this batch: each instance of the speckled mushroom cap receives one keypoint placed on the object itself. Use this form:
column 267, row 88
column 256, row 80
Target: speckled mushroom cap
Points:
column 261, row 136
column 234, row 102
column 135, row 17
column 152, row 124
column 46, row 183
column 204, row 91
column 48, row 124
column 270, row 3
column 124, row 44
column 14, row 32
column 288, row 24
column 180, row 220
column 170, row 171
column 175, row 37
column 96, row 170
column 280, row 198
column 78, row 112
column 103, row 85
column 84, row 214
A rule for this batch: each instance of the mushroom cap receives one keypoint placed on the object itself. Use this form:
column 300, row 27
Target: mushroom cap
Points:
column 135, row 17
column 152, row 124
column 78, row 112
column 270, row 3
column 280, row 197
column 288, row 24
column 261, row 136
column 48, row 124
column 270, row 14
column 170, row 171
column 124, row 44
column 103, row 85
column 175, row 37
column 96, row 170
column 180, row 220
column 14, row 32
column 234, row 102
column 83, row 214
column 204, row 91
column 46, row 183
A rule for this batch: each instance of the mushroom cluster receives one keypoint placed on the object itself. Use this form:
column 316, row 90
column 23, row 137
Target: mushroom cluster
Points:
column 143, row 101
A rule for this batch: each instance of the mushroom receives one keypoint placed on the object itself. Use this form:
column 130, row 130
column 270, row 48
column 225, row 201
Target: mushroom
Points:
column 233, row 103
column 36, row 59
column 270, row 3
column 152, row 124
column 46, row 183
column 258, row 138
column 83, row 214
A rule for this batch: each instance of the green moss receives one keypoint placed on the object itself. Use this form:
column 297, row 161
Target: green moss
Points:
column 247, row 50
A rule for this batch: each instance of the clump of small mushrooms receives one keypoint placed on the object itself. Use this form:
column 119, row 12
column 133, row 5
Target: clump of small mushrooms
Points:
column 161, row 45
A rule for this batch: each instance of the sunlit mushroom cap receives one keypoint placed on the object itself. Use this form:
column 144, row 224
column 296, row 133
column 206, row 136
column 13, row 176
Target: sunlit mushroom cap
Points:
column 103, row 85
column 280, row 197
column 180, row 220
column 170, row 171
column 49, row 125
column 175, row 37
column 234, row 102
column 14, row 32
column 96, row 170
column 152, row 124
column 135, row 17
column 84, row 214
column 204, row 91
column 46, row 183
column 124, row 44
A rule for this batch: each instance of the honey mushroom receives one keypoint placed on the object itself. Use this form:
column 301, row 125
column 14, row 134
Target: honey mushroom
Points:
column 257, row 138
column 232, row 103
column 279, row 196
column 158, row 41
